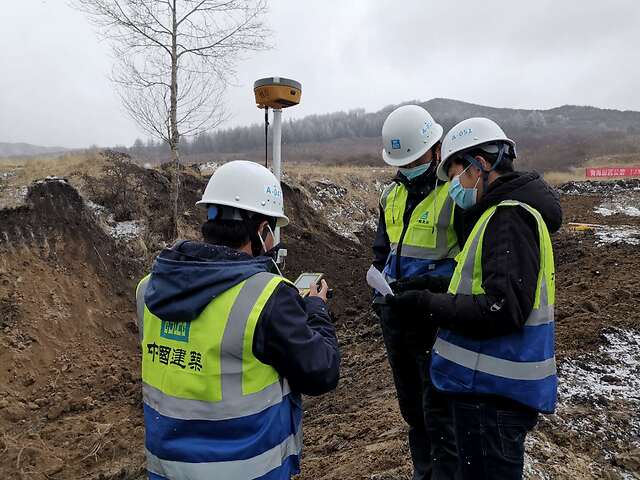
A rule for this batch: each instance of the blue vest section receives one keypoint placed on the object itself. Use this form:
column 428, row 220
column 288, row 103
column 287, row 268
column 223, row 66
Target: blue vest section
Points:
column 531, row 344
column 417, row 267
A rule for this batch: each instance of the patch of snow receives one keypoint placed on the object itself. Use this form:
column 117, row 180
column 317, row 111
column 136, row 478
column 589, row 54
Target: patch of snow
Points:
column 118, row 230
column 51, row 178
column 622, row 209
column 599, row 187
column 124, row 230
column 606, row 382
column 616, row 373
column 95, row 208
column 607, row 234
column 627, row 203
column 208, row 168
column 345, row 216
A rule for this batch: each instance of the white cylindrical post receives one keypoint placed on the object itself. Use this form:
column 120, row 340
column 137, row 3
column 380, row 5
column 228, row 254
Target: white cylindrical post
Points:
column 276, row 160
column 277, row 143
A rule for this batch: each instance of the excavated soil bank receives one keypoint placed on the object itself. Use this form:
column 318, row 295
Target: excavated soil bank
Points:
column 70, row 402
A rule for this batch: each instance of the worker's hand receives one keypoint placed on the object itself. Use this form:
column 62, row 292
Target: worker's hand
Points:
column 410, row 304
column 322, row 293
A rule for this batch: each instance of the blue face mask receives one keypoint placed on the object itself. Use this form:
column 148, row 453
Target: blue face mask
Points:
column 465, row 198
column 414, row 172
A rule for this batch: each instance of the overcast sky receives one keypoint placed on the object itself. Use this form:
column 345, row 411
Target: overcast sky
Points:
column 54, row 88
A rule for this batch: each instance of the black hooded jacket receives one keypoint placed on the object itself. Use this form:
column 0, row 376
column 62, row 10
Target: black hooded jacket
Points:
column 510, row 260
column 293, row 334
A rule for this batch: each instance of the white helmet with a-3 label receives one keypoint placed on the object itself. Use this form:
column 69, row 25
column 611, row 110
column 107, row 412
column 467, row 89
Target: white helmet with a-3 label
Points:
column 246, row 186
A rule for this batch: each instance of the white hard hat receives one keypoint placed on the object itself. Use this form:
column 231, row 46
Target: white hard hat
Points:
column 246, row 186
column 407, row 134
column 470, row 133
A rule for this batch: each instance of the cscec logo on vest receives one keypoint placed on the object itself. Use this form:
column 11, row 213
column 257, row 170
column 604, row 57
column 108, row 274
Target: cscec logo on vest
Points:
column 175, row 330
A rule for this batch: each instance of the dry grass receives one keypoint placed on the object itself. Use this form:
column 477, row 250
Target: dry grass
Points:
column 558, row 178
column 30, row 169
column 579, row 174
column 614, row 160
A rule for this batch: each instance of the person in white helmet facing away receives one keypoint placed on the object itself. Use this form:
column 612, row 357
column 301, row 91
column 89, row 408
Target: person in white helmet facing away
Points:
column 228, row 345
column 415, row 246
column 494, row 353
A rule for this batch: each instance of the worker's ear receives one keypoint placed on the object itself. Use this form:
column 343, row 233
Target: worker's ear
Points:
column 486, row 166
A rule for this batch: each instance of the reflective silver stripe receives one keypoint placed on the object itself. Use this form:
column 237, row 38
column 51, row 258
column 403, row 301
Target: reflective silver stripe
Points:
column 465, row 286
column 495, row 366
column 231, row 349
column 385, row 194
column 441, row 250
column 541, row 316
column 231, row 470
column 142, row 288
column 444, row 220
column 233, row 404
column 423, row 253
column 545, row 313
column 225, row 409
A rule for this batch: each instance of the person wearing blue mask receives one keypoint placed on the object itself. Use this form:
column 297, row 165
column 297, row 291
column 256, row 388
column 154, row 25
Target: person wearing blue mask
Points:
column 494, row 356
column 415, row 246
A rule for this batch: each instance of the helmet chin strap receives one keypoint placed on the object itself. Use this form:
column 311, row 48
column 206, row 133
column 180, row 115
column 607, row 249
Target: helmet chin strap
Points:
column 485, row 173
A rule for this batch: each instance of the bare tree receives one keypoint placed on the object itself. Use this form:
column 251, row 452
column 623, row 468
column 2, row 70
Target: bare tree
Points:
column 175, row 59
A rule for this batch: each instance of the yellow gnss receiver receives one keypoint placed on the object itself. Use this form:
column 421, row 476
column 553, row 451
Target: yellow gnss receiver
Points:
column 277, row 92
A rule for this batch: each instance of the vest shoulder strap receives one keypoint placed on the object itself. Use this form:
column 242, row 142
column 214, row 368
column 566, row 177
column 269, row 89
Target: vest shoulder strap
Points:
column 385, row 194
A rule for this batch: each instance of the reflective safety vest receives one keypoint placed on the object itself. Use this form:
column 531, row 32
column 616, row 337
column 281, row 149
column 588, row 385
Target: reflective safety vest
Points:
column 520, row 366
column 427, row 244
column 211, row 408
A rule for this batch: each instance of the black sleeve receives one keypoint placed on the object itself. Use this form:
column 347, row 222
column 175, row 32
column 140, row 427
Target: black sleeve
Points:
column 510, row 265
column 381, row 246
column 297, row 338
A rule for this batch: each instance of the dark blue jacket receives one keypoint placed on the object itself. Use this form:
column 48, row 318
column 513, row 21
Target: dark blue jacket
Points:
column 294, row 335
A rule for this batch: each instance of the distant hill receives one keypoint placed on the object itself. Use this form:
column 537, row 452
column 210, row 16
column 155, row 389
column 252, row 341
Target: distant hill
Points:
column 554, row 139
column 27, row 150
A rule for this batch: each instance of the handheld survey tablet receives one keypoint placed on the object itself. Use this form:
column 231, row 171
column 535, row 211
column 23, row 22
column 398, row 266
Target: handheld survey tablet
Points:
column 305, row 280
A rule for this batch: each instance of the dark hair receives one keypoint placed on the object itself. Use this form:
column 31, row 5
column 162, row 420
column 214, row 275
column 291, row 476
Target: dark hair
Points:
column 505, row 165
column 235, row 233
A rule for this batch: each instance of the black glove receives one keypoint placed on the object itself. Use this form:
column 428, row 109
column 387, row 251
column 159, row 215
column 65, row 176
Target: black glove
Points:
column 410, row 304
column 433, row 284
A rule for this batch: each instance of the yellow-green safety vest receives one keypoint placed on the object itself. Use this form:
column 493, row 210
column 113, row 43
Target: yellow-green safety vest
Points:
column 520, row 366
column 212, row 409
column 429, row 235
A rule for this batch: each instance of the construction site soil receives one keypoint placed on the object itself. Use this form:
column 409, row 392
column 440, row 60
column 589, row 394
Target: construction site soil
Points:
column 70, row 392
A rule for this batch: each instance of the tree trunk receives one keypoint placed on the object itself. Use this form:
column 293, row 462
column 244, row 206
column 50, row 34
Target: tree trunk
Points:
column 174, row 136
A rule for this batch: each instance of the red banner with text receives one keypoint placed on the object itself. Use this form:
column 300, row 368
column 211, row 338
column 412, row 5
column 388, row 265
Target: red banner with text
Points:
column 609, row 172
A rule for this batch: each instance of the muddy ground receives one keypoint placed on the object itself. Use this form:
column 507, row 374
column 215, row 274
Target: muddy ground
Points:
column 70, row 401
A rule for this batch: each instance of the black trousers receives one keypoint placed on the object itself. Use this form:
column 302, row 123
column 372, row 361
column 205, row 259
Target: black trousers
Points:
column 431, row 437
column 490, row 439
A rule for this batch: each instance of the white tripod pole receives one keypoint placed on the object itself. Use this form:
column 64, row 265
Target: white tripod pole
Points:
column 277, row 164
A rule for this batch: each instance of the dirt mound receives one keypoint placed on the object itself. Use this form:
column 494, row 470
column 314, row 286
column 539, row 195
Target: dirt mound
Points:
column 70, row 405
column 70, row 381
